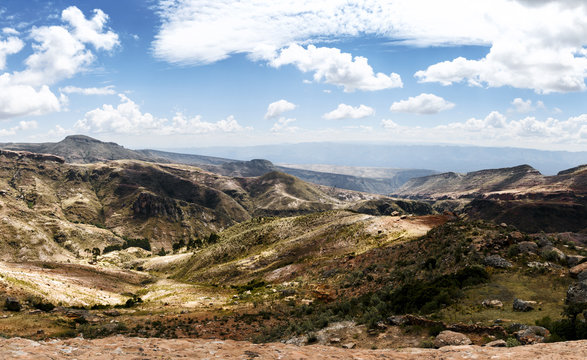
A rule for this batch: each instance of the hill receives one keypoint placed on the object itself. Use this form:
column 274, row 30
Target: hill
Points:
column 80, row 149
column 518, row 195
column 57, row 210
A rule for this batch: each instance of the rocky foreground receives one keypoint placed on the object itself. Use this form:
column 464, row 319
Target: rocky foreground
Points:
column 120, row 347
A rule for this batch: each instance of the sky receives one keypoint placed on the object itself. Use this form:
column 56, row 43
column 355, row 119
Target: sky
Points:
column 194, row 73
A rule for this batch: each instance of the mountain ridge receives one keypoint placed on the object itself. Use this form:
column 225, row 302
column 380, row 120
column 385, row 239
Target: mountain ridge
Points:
column 84, row 149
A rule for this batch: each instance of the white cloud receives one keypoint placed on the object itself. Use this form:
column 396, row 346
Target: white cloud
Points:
column 535, row 45
column 22, row 126
column 260, row 28
column 526, row 106
column 19, row 100
column 282, row 125
column 59, row 53
column 538, row 47
column 344, row 111
column 107, row 90
column 335, row 67
column 422, row 104
column 11, row 45
column 90, row 31
column 279, row 107
column 10, row 31
column 127, row 118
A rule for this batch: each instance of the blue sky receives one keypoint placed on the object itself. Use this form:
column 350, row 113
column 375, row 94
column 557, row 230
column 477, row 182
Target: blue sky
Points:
column 181, row 73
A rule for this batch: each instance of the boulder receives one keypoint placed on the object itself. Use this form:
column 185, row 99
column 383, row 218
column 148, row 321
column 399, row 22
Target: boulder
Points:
column 559, row 255
column 497, row 261
column 574, row 260
column 451, row 338
column 12, row 304
column 527, row 247
column 576, row 270
column 496, row 343
column 532, row 335
column 523, row 305
column 349, row 346
column 397, row 320
column 582, row 275
column 496, row 304
column 577, row 293
column 516, row 236
column 543, row 241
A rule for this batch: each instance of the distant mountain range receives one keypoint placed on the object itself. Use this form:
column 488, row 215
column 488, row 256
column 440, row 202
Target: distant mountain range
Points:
column 441, row 158
column 84, row 150
column 518, row 195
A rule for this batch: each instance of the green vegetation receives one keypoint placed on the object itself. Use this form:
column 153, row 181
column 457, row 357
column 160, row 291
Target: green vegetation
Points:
column 140, row 243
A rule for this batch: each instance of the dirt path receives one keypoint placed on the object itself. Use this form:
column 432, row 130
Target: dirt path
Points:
column 119, row 347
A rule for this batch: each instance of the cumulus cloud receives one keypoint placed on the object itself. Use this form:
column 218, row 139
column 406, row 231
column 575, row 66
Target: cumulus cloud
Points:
column 535, row 45
column 525, row 106
column 344, row 111
column 544, row 52
column 107, row 90
column 127, row 118
column 9, row 46
column 59, row 53
column 22, row 126
column 279, row 107
column 497, row 129
column 332, row 66
column 282, row 125
column 90, row 31
column 422, row 104
column 18, row 100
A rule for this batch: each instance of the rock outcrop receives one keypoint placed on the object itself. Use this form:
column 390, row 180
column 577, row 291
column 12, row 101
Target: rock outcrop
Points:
column 523, row 305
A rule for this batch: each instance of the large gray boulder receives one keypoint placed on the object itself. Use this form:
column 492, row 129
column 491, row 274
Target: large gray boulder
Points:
column 523, row 305
column 497, row 261
column 528, row 247
column 451, row 338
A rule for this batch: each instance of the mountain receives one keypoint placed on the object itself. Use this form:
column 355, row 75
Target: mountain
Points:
column 82, row 149
column 440, row 158
column 55, row 210
column 513, row 181
column 519, row 195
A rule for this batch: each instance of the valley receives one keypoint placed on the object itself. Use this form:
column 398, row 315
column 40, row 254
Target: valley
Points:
column 145, row 249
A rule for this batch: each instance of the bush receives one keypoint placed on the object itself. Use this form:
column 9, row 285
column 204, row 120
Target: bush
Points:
column 511, row 342
column 213, row 238
column 140, row 243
